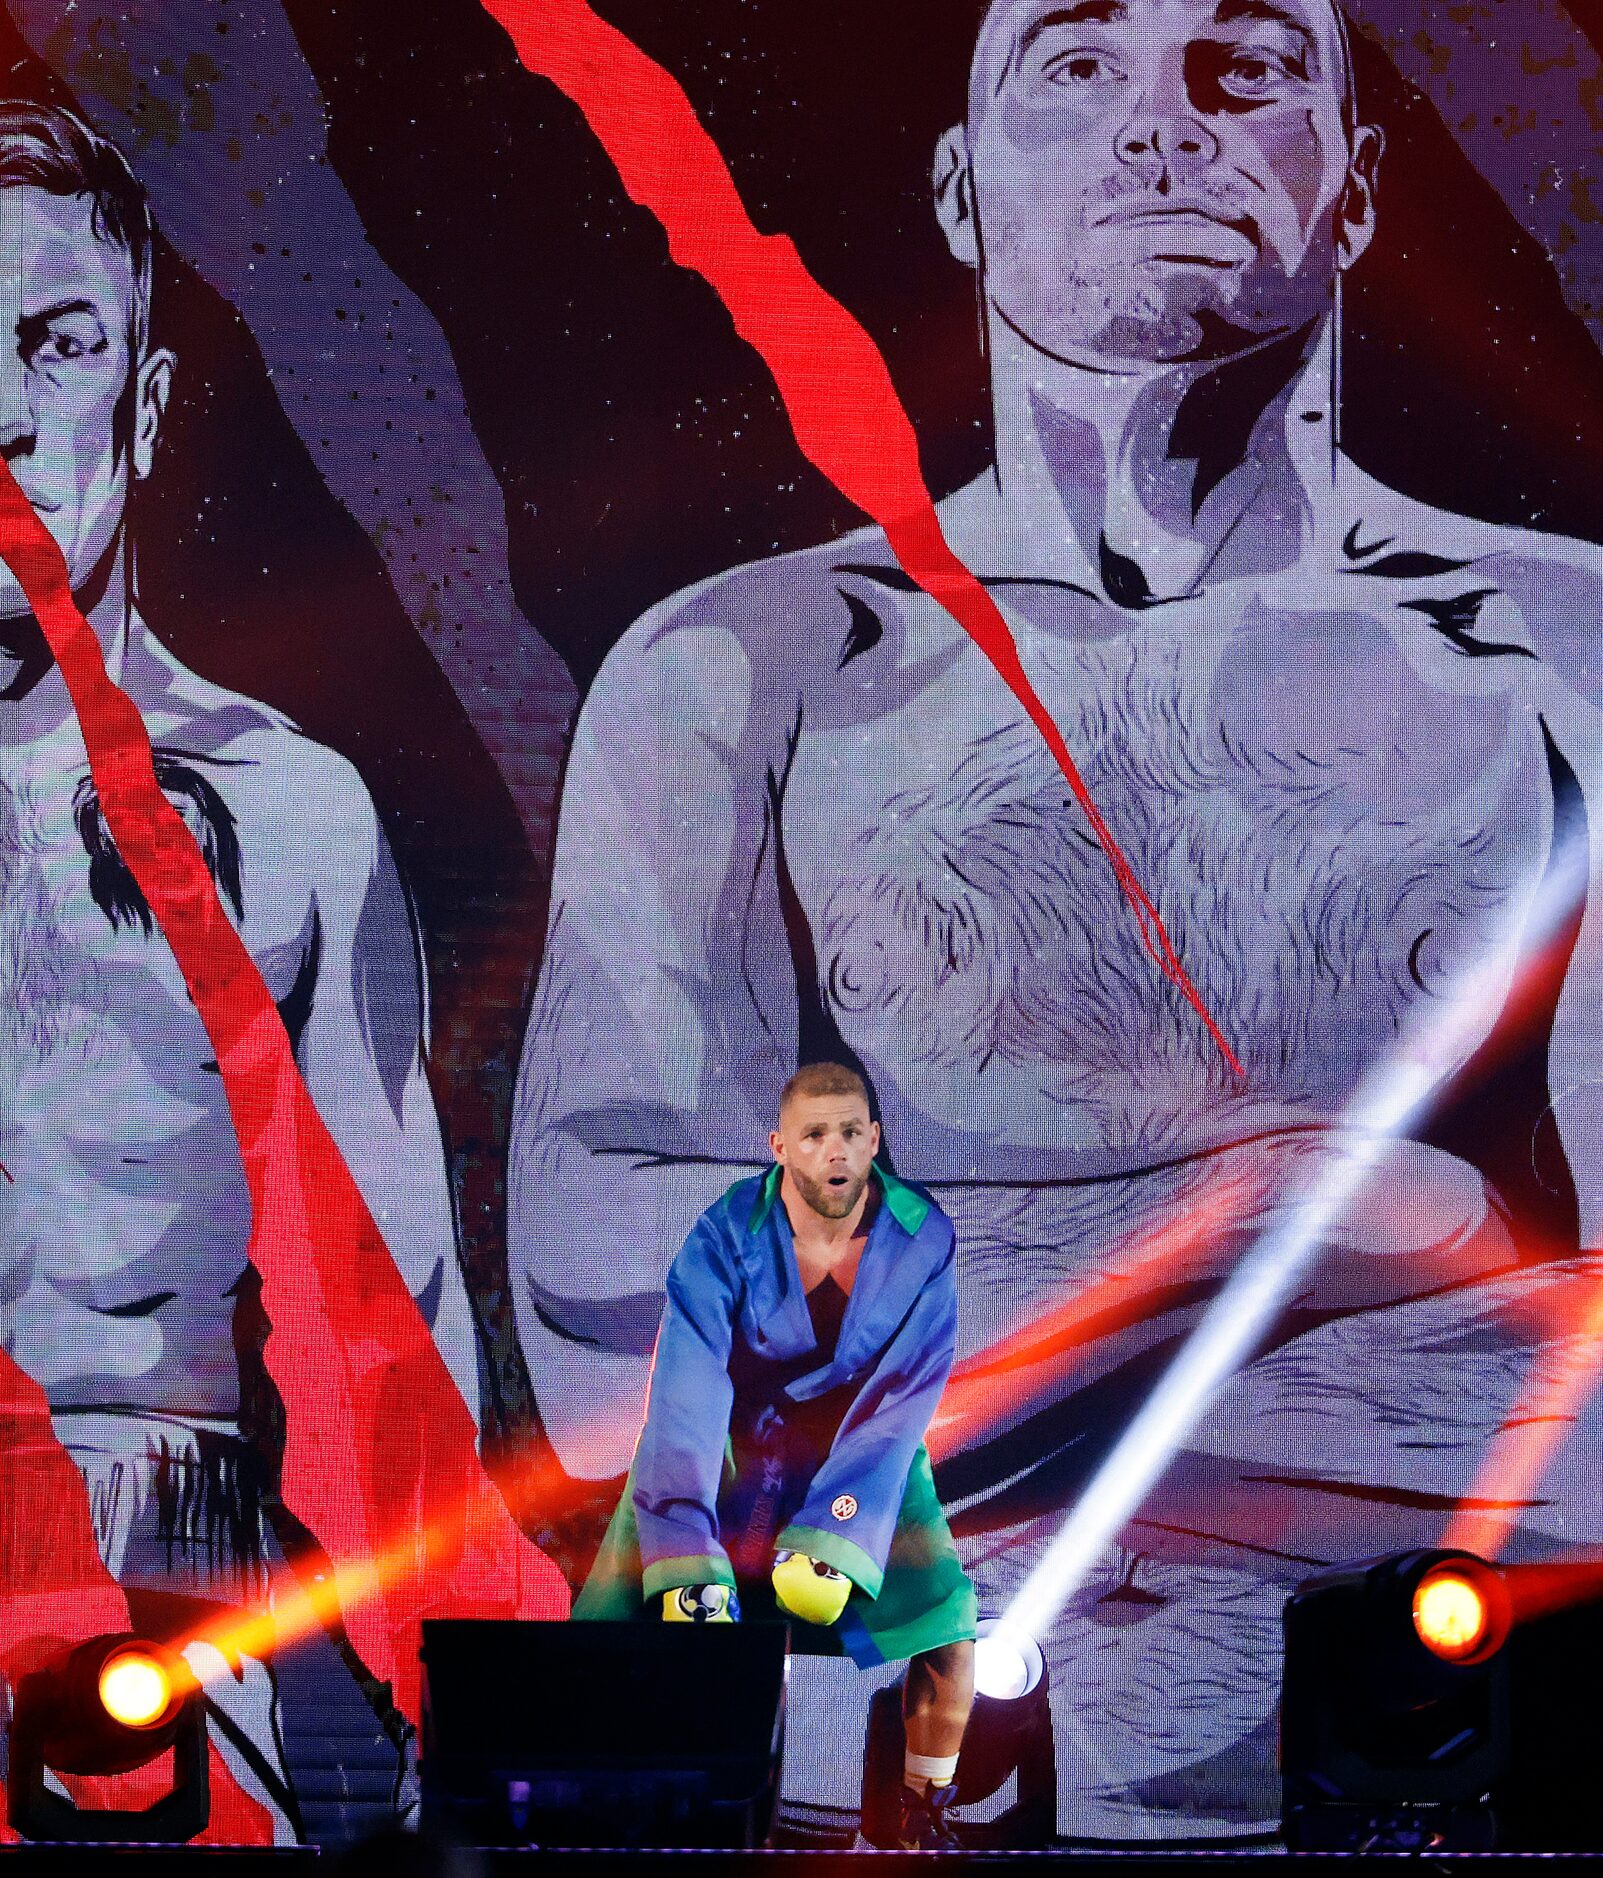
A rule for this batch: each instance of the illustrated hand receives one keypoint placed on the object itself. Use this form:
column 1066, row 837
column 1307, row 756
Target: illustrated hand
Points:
column 805, row 1588
column 700, row 1604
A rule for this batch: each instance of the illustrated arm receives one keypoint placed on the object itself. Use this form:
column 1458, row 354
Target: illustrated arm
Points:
column 877, row 1441
column 1574, row 723
column 679, row 1462
column 361, row 1049
column 652, row 1061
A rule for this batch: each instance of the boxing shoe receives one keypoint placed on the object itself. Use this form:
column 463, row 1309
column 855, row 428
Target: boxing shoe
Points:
column 924, row 1825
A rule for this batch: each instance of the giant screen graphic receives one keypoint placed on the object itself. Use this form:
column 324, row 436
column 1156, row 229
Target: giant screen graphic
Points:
column 1186, row 825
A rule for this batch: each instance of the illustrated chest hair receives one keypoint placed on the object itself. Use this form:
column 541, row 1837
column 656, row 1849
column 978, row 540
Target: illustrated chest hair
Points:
column 208, row 817
column 1309, row 840
column 73, row 909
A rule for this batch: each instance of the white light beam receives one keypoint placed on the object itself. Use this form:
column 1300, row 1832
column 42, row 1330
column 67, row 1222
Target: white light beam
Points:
column 1391, row 1099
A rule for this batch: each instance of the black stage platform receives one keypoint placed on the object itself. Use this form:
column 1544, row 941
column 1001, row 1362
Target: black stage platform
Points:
column 394, row 1859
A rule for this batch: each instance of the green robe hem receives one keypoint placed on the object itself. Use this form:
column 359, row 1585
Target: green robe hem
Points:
column 924, row 1598
column 834, row 1548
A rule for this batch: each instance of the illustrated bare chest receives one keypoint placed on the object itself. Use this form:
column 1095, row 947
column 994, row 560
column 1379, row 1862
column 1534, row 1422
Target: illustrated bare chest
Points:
column 124, row 1224
column 1329, row 831
column 97, row 1030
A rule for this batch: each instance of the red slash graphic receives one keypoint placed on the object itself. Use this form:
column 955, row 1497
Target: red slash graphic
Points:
column 380, row 1459
column 835, row 385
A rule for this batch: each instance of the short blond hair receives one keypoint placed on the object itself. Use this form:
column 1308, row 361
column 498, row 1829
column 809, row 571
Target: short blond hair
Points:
column 824, row 1079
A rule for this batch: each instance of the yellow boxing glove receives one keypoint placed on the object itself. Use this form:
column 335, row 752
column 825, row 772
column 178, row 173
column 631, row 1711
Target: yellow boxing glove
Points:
column 700, row 1604
column 805, row 1588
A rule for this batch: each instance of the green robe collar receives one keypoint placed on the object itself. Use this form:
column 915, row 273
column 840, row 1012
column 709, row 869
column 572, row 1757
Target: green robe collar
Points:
column 907, row 1208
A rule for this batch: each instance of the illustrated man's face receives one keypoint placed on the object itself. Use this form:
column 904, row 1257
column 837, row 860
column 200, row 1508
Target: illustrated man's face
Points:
column 78, row 414
column 1155, row 180
column 827, row 1145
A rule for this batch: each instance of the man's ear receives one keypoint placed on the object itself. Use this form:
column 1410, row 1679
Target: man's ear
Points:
column 153, row 384
column 954, row 196
column 1355, row 212
column 776, row 1145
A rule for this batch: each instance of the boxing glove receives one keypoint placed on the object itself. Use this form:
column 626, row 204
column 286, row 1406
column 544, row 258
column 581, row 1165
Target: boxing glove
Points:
column 814, row 1592
column 700, row 1604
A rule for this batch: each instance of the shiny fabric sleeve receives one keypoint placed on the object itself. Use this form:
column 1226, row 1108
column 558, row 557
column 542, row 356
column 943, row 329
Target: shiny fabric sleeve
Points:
column 679, row 1461
column 851, row 1509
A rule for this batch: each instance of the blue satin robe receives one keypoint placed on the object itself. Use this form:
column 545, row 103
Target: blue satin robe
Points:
column 732, row 1373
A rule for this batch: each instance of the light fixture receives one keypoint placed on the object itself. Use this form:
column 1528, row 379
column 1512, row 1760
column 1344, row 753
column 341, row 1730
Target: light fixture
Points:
column 1008, row 1766
column 107, row 1706
column 1007, row 1662
column 1395, row 1705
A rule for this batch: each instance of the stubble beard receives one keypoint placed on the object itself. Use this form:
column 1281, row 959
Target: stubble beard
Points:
column 829, row 1202
column 1138, row 315
column 1079, row 308
column 1161, row 317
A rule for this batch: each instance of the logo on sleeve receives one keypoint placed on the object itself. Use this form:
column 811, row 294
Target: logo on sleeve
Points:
column 845, row 1507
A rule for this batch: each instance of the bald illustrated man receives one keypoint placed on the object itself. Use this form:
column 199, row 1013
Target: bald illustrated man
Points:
column 1343, row 737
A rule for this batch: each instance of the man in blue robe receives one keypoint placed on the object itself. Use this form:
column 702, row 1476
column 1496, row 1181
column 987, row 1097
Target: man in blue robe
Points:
column 809, row 1328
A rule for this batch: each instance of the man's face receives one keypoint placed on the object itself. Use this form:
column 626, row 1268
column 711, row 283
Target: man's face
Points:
column 66, row 299
column 827, row 1146
column 1151, row 180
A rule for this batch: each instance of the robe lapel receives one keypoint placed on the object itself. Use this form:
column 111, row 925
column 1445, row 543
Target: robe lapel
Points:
column 892, row 1272
column 894, row 1269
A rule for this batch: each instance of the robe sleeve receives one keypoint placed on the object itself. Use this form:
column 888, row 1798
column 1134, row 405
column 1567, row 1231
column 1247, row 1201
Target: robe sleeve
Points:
column 679, row 1462
column 852, row 1507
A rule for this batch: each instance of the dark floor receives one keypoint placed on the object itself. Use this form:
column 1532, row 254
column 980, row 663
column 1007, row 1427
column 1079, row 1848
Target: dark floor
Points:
column 417, row 1861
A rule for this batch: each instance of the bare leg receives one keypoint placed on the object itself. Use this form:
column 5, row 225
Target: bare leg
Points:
column 939, row 1696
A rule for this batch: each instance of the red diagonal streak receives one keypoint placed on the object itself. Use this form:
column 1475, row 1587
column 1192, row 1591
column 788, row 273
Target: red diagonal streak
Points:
column 835, row 385
column 378, row 1443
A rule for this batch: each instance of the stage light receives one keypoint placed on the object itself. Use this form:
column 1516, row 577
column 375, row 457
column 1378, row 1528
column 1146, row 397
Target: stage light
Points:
column 1454, row 1613
column 136, row 1688
column 1007, row 1662
column 108, row 1706
column 1395, row 1706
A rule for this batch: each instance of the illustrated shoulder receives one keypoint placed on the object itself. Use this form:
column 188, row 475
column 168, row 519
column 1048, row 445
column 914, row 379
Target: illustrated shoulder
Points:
column 760, row 632
column 1485, row 591
column 288, row 792
column 1393, row 535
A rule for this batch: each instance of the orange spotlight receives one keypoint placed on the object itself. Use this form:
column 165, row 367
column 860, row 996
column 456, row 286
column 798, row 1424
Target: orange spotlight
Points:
column 1452, row 1617
column 137, row 1689
column 109, row 1706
